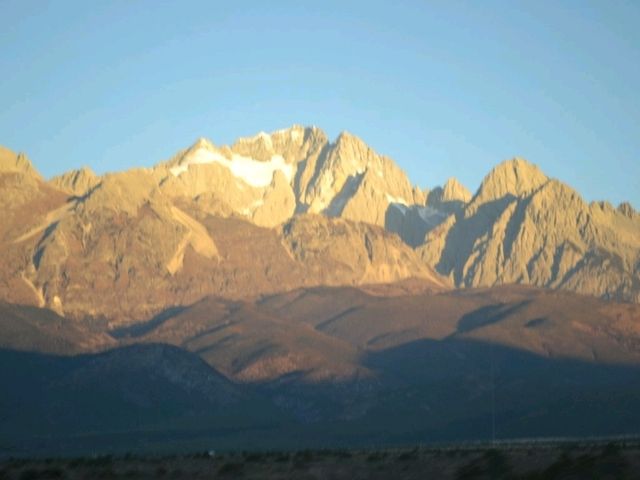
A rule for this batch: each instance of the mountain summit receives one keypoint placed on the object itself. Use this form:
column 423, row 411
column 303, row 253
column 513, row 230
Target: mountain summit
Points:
column 290, row 209
column 516, row 177
column 11, row 162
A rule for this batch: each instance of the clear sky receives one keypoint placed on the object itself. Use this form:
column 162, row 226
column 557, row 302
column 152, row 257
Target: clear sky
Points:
column 446, row 88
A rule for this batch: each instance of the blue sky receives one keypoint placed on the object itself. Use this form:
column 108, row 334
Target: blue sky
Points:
column 445, row 88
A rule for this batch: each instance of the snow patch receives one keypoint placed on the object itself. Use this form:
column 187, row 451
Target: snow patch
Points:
column 398, row 200
column 179, row 169
column 430, row 215
column 260, row 136
column 403, row 208
column 201, row 155
column 251, row 171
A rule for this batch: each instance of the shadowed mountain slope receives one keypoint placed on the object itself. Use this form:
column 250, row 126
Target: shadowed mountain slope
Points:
column 155, row 398
column 378, row 364
column 322, row 333
column 119, row 400
column 36, row 329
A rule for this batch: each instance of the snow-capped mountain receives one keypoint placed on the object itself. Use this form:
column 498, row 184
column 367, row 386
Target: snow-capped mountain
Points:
column 290, row 209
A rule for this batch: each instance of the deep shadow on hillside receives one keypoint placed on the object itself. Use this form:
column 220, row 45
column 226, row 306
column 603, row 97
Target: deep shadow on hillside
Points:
column 160, row 398
column 125, row 399
column 458, row 384
column 447, row 391
column 548, row 461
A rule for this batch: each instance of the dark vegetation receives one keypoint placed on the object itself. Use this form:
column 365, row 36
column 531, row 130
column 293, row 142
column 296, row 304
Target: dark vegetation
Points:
column 510, row 462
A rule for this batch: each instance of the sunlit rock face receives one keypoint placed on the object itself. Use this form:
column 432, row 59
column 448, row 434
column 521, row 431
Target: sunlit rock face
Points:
column 291, row 208
column 269, row 177
column 76, row 182
column 210, row 221
column 523, row 227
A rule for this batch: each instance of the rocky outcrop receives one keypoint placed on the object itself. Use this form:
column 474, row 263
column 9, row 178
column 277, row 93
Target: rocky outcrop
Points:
column 522, row 227
column 11, row 162
column 76, row 182
column 333, row 250
column 511, row 179
column 269, row 177
column 356, row 183
column 449, row 198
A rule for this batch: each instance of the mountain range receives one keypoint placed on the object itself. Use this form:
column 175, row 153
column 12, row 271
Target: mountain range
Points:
column 311, row 282
column 168, row 235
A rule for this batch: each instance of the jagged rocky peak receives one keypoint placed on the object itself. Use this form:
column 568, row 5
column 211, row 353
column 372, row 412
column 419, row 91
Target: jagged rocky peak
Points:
column 202, row 142
column 347, row 139
column 275, row 140
column 297, row 134
column 340, row 171
column 76, row 182
column 124, row 191
column 350, row 154
column 627, row 210
column 452, row 192
column 604, row 206
column 345, row 178
column 253, row 171
column 191, row 213
column 11, row 162
column 524, row 228
column 259, row 147
column 516, row 177
column 355, row 156
column 293, row 144
column 354, row 182
column 254, row 159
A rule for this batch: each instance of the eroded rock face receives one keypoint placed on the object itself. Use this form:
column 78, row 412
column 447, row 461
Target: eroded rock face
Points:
column 140, row 241
column 76, row 182
column 231, row 221
column 449, row 198
column 269, row 177
column 512, row 178
column 11, row 162
column 521, row 227
column 335, row 249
